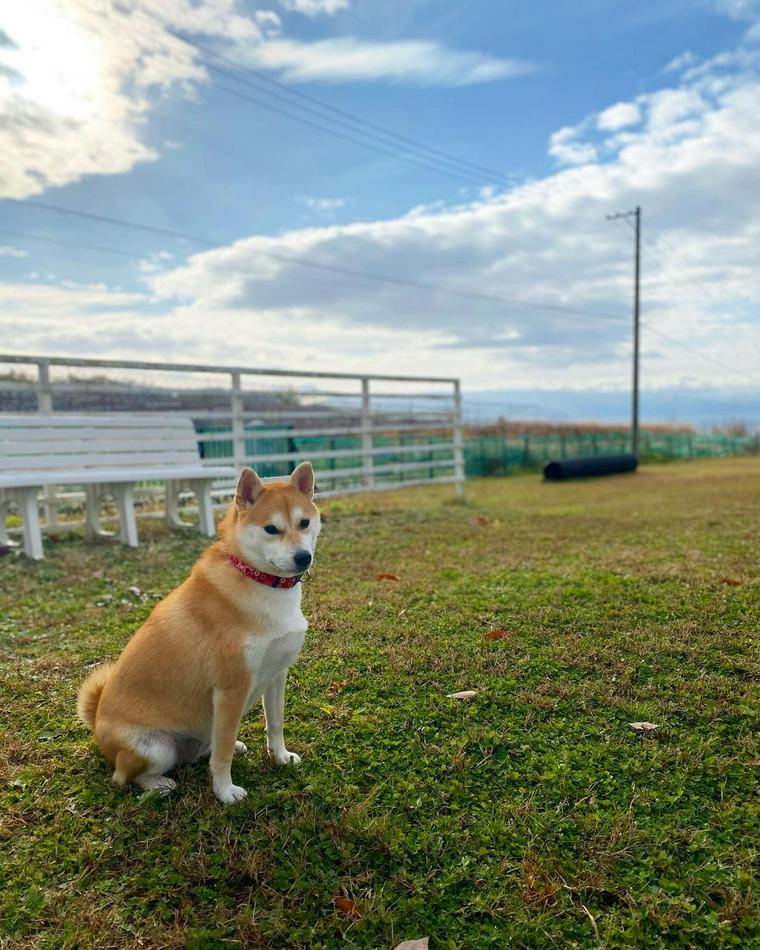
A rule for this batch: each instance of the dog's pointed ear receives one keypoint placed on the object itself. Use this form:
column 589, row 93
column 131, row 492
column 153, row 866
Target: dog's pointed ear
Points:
column 303, row 479
column 249, row 487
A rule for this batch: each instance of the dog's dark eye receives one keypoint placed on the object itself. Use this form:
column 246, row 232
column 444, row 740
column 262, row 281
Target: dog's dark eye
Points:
column 304, row 524
column 270, row 529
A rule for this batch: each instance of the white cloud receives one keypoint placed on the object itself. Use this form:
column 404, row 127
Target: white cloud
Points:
column 680, row 62
column 269, row 22
column 619, row 116
column 738, row 9
column 566, row 147
column 316, row 7
column 7, row 251
column 418, row 61
column 67, row 109
column 155, row 262
column 748, row 10
column 325, row 205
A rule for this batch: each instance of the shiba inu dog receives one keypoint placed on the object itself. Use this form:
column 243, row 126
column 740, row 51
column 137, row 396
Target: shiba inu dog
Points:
column 216, row 644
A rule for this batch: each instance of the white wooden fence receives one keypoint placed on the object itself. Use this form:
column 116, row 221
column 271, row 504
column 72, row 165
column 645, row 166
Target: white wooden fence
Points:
column 362, row 432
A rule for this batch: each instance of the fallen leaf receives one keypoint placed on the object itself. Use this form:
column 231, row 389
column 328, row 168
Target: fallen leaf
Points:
column 753, row 762
column 387, row 577
column 99, row 573
column 732, row 581
column 498, row 634
column 464, row 694
column 346, row 908
column 421, row 943
column 643, row 726
column 135, row 591
column 335, row 687
column 478, row 521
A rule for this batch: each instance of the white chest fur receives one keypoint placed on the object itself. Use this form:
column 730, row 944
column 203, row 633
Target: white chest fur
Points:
column 277, row 640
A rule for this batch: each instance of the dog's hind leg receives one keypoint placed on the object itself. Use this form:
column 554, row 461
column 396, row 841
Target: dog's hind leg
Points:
column 159, row 750
column 128, row 765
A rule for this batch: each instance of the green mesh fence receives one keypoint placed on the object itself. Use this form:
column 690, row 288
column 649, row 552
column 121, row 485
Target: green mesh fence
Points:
column 431, row 460
column 256, row 443
column 484, row 455
column 496, row 455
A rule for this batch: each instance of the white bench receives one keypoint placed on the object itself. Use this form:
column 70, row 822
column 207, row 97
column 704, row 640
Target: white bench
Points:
column 106, row 453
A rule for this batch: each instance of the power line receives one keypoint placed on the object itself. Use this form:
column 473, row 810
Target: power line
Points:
column 318, row 265
column 488, row 298
column 25, row 236
column 490, row 173
column 703, row 356
column 447, row 164
column 118, row 222
column 483, row 171
column 646, row 323
column 348, row 138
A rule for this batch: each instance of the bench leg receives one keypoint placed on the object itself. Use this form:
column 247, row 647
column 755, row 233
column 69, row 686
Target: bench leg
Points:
column 172, row 504
column 92, row 529
column 31, row 517
column 5, row 541
column 51, row 507
column 125, row 502
column 202, row 489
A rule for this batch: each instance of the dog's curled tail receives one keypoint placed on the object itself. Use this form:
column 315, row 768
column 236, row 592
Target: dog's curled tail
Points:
column 89, row 693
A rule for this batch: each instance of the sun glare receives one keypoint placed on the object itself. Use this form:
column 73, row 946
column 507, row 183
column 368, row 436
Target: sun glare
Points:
column 53, row 62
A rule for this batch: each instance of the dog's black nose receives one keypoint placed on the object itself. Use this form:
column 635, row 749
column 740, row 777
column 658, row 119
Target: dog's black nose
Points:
column 302, row 559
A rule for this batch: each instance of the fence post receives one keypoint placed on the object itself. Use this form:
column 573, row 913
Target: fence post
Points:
column 45, row 405
column 458, row 441
column 238, row 423
column 368, row 478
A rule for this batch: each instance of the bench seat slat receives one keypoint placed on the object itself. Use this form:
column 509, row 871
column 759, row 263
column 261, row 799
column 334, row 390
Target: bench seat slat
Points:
column 107, row 476
column 97, row 460
column 95, row 421
column 106, row 439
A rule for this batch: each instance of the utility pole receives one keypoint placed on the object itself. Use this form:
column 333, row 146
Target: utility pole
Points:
column 636, row 213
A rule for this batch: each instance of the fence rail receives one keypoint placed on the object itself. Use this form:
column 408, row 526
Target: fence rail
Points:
column 363, row 431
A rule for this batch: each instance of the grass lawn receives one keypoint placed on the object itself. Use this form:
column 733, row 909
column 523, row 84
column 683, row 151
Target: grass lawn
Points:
column 531, row 815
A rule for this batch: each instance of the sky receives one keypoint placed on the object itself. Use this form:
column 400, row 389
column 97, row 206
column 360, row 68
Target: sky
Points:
column 413, row 186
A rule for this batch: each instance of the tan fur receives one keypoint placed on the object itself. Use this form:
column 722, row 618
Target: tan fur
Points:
column 89, row 693
column 184, row 671
column 128, row 765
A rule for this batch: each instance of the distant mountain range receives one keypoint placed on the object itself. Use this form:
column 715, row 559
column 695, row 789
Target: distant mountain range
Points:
column 701, row 408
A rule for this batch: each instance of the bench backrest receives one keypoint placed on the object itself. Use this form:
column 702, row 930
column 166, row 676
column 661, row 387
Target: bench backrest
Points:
column 63, row 441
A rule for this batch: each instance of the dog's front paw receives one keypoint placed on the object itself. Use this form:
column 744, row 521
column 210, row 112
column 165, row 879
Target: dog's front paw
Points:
column 229, row 794
column 283, row 757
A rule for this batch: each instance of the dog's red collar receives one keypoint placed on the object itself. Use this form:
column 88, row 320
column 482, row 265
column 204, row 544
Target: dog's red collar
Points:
column 269, row 580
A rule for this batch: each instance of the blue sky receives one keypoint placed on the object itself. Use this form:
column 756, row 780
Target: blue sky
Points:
column 582, row 108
